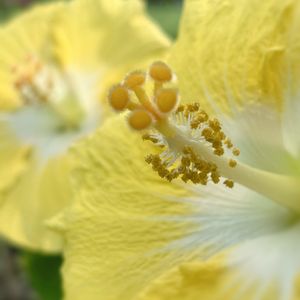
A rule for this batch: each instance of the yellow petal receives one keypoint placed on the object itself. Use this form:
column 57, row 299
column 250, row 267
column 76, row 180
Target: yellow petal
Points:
column 13, row 158
column 210, row 280
column 236, row 50
column 191, row 281
column 120, row 230
column 35, row 196
column 102, row 34
column 25, row 35
column 92, row 40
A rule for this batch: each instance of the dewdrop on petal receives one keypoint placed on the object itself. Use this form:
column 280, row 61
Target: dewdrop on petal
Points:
column 193, row 144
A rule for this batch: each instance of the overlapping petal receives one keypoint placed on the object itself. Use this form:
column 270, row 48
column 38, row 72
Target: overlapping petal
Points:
column 127, row 229
column 92, row 42
column 120, row 230
column 20, row 38
column 235, row 51
column 26, row 35
column 228, row 52
column 124, row 38
column 13, row 158
column 39, row 192
column 210, row 280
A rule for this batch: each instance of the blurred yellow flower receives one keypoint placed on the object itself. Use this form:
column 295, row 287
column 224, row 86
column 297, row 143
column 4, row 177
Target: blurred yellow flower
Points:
column 56, row 61
column 229, row 229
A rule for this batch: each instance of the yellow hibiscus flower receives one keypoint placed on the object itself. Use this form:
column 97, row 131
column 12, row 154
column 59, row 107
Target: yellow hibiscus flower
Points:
column 55, row 62
column 226, row 225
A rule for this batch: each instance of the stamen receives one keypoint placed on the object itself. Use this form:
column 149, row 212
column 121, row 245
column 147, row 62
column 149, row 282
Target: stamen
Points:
column 179, row 160
column 43, row 85
column 232, row 163
column 236, row 152
column 229, row 183
column 194, row 148
column 135, row 81
column 30, row 90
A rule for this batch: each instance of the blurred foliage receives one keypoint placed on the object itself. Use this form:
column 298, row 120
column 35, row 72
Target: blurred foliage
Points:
column 43, row 273
column 13, row 282
column 9, row 8
column 167, row 14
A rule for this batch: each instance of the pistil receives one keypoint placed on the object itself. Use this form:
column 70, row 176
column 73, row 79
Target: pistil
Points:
column 194, row 146
column 284, row 190
column 43, row 85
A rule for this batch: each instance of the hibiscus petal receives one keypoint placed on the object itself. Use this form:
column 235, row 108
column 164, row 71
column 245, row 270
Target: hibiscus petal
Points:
column 120, row 37
column 13, row 158
column 128, row 226
column 73, row 34
column 112, row 40
column 24, row 36
column 214, row 279
column 35, row 195
column 117, row 233
column 233, row 51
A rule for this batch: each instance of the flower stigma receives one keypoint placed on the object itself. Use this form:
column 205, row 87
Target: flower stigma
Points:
column 192, row 145
column 42, row 85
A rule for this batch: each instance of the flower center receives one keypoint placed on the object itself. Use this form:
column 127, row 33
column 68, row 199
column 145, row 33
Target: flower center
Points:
column 193, row 145
column 42, row 85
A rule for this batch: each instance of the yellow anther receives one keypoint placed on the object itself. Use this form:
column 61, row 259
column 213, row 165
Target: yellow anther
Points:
column 119, row 97
column 219, row 151
column 228, row 143
column 215, row 177
column 229, row 183
column 135, row 79
column 232, row 163
column 180, row 109
column 148, row 137
column 236, row 152
column 214, row 124
column 207, row 133
column 140, row 119
column 159, row 71
column 166, row 100
column 192, row 107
